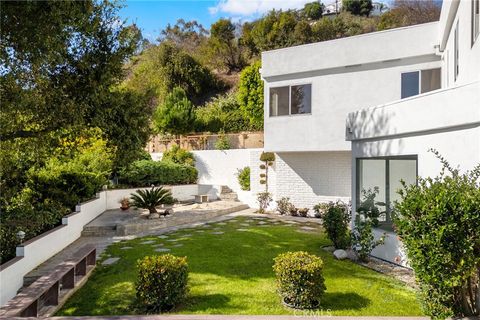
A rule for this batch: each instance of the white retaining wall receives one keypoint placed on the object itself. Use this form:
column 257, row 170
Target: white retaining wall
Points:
column 180, row 192
column 41, row 248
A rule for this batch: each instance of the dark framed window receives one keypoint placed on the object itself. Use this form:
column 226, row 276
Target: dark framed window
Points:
column 475, row 20
column 421, row 81
column 384, row 174
column 291, row 100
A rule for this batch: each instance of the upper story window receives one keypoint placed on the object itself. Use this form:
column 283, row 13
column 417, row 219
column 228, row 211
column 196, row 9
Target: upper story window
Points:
column 456, row 54
column 421, row 81
column 475, row 20
column 291, row 100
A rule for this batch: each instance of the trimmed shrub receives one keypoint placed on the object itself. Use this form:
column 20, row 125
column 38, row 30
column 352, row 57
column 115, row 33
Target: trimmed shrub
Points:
column 299, row 279
column 178, row 155
column 148, row 172
column 438, row 221
column 243, row 176
column 162, row 282
column 336, row 220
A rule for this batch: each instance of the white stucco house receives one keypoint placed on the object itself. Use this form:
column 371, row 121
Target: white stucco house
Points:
column 355, row 113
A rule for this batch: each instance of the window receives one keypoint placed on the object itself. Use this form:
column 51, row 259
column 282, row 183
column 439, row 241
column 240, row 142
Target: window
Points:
column 384, row 175
column 475, row 20
column 416, row 82
column 291, row 100
column 455, row 57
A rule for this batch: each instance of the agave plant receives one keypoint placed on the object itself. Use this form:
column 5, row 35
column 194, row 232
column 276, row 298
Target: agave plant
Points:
column 151, row 198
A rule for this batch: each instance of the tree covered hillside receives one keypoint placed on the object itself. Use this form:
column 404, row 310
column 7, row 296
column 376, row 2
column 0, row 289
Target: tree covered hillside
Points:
column 218, row 68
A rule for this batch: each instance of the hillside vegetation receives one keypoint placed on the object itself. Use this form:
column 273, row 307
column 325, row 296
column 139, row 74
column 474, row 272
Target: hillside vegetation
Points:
column 218, row 68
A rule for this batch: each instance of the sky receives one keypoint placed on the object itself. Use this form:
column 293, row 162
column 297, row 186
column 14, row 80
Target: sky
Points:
column 152, row 16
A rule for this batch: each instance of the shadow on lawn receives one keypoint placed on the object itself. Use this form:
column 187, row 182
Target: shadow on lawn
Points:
column 344, row 301
column 205, row 302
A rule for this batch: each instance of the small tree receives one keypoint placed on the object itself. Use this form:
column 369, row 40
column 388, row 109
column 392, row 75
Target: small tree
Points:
column 438, row 221
column 336, row 220
column 313, row 10
column 250, row 95
column 243, row 176
column 358, row 7
column 176, row 115
column 267, row 158
column 178, row 155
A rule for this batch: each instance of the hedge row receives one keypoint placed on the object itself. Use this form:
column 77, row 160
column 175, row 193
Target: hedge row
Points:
column 147, row 172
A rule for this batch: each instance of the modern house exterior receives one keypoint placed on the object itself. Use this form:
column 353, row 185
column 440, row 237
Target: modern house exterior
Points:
column 362, row 112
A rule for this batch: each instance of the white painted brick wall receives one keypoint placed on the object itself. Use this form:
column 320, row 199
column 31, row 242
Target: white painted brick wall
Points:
column 308, row 178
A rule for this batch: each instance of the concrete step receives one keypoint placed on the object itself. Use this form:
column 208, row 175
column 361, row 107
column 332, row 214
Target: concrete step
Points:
column 99, row 231
column 231, row 196
column 225, row 189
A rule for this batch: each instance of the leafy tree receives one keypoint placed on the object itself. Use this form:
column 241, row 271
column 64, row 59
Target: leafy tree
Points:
column 250, row 94
column 63, row 68
column 313, row 10
column 224, row 46
column 222, row 113
column 161, row 68
column 178, row 155
column 438, row 221
column 358, row 7
column 176, row 115
column 187, row 35
column 303, row 33
column 406, row 13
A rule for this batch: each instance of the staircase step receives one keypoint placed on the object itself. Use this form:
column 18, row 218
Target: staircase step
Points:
column 232, row 196
column 96, row 231
column 225, row 189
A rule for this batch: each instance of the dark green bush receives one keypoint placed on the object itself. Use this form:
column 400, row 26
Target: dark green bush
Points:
column 244, row 178
column 148, row 172
column 69, row 188
column 162, row 282
column 438, row 221
column 178, row 155
column 299, row 279
column 336, row 220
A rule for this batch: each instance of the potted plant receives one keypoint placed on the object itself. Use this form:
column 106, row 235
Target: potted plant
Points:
column 152, row 198
column 124, row 203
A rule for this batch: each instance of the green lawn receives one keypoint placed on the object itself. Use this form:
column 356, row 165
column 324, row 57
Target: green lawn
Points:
column 231, row 273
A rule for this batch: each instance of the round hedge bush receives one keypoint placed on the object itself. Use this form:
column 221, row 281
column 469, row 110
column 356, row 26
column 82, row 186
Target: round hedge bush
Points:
column 161, row 282
column 299, row 279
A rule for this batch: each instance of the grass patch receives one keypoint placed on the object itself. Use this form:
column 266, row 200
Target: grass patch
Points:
column 231, row 273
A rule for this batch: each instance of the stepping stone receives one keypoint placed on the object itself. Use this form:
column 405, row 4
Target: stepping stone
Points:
column 245, row 224
column 186, row 235
column 125, row 248
column 200, row 231
column 158, row 245
column 218, row 232
column 222, row 223
column 147, row 242
column 308, row 228
column 172, row 240
column 163, row 237
column 291, row 222
column 262, row 222
column 241, row 229
column 178, row 245
column 162, row 250
column 110, row 261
